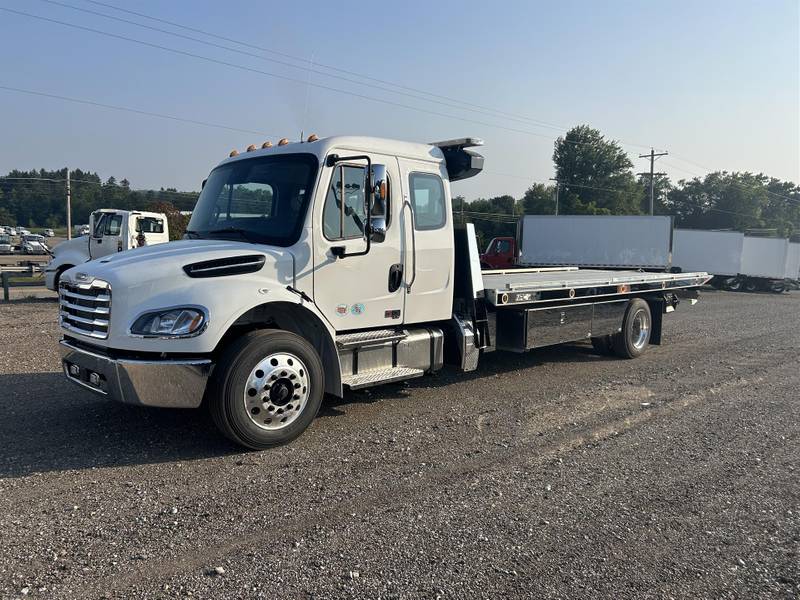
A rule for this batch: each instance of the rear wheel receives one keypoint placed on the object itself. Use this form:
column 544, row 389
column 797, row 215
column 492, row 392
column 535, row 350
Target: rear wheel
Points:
column 267, row 388
column 751, row 285
column 637, row 325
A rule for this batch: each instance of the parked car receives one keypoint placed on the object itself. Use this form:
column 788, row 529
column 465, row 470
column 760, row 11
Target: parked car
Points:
column 82, row 230
column 49, row 233
column 22, row 231
column 5, row 244
column 33, row 244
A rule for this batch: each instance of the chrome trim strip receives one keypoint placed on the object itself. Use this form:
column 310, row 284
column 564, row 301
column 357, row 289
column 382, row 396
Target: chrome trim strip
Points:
column 100, row 310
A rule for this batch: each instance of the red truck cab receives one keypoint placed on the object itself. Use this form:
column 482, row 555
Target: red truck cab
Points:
column 500, row 254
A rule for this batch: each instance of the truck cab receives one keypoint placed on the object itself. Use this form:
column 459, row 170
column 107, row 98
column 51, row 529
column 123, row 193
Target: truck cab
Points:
column 312, row 267
column 109, row 231
column 501, row 253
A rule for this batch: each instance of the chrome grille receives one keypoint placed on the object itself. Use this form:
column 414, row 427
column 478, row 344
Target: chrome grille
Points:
column 85, row 308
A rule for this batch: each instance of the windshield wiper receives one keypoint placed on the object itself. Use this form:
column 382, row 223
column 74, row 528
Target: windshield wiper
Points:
column 191, row 234
column 243, row 233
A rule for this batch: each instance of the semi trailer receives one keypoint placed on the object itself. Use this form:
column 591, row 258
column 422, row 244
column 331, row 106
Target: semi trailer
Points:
column 764, row 263
column 717, row 252
column 585, row 241
column 317, row 266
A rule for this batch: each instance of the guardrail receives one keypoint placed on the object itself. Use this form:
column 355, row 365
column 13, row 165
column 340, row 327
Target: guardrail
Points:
column 10, row 277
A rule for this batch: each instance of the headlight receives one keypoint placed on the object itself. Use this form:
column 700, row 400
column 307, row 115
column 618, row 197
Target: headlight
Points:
column 174, row 322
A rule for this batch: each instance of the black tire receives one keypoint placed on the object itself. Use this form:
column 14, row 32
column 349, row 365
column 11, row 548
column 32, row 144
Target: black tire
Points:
column 57, row 278
column 734, row 284
column 632, row 342
column 750, row 285
column 603, row 345
column 226, row 392
column 777, row 287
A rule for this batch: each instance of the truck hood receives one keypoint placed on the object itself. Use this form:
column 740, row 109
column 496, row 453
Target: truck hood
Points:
column 153, row 278
column 144, row 267
column 78, row 243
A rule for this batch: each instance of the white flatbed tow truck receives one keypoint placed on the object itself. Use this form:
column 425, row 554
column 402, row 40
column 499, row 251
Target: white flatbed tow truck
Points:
column 317, row 266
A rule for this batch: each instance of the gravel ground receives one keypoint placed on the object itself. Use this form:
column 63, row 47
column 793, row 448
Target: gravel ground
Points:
column 556, row 474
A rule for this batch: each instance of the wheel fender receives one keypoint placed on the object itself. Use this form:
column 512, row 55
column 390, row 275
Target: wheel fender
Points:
column 285, row 310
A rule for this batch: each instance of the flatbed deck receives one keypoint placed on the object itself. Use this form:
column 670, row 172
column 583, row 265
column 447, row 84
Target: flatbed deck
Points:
column 527, row 286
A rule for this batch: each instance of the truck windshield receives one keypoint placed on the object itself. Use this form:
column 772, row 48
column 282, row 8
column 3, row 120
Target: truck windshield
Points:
column 258, row 199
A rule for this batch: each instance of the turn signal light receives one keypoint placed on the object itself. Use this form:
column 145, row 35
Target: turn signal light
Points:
column 623, row 288
column 283, row 142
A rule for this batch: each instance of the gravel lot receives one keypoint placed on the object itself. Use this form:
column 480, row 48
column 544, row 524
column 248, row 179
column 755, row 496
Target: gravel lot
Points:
column 556, row 474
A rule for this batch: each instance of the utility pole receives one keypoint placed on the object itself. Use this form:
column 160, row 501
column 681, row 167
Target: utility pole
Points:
column 652, row 156
column 69, row 208
column 558, row 184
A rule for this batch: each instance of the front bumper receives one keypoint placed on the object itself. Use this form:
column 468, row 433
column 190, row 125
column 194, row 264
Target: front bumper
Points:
column 167, row 383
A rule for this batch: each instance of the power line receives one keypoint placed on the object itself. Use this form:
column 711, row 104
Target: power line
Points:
column 734, row 183
column 332, row 68
column 284, row 77
column 459, row 105
column 131, row 110
column 174, row 194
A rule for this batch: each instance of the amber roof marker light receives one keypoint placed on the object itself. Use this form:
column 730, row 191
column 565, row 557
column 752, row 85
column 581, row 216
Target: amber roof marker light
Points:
column 283, row 142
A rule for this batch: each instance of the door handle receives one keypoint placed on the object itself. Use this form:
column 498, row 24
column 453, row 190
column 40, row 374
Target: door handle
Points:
column 395, row 277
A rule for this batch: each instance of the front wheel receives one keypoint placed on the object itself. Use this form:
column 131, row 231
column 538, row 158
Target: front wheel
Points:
column 637, row 325
column 266, row 389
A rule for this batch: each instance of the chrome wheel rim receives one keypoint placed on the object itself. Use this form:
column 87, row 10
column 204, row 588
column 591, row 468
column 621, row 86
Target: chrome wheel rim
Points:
column 277, row 391
column 641, row 329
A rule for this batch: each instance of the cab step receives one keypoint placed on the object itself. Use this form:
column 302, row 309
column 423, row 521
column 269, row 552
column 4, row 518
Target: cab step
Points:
column 380, row 376
column 361, row 339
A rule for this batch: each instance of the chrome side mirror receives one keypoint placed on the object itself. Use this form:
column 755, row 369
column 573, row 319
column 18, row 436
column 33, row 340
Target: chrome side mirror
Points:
column 380, row 186
column 377, row 204
column 377, row 229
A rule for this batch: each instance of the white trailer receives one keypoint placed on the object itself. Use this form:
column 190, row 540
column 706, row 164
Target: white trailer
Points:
column 615, row 242
column 764, row 264
column 716, row 252
column 334, row 263
column 793, row 262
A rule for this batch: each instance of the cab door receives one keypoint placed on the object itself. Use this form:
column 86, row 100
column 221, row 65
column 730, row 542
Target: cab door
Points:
column 107, row 235
column 430, row 252
column 366, row 291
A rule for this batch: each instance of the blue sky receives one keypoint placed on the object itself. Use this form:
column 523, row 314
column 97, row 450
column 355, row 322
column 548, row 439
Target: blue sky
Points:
column 714, row 82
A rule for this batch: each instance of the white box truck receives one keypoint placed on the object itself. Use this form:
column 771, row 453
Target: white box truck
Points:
column 716, row 252
column 334, row 263
column 109, row 231
column 614, row 242
column 764, row 264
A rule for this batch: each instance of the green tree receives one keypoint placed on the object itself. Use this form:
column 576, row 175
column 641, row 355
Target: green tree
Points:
column 595, row 175
column 539, row 199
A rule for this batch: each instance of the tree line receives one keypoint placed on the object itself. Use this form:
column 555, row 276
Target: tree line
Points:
column 37, row 198
column 594, row 176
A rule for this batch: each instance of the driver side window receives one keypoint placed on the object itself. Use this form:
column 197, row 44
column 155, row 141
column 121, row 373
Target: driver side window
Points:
column 343, row 215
